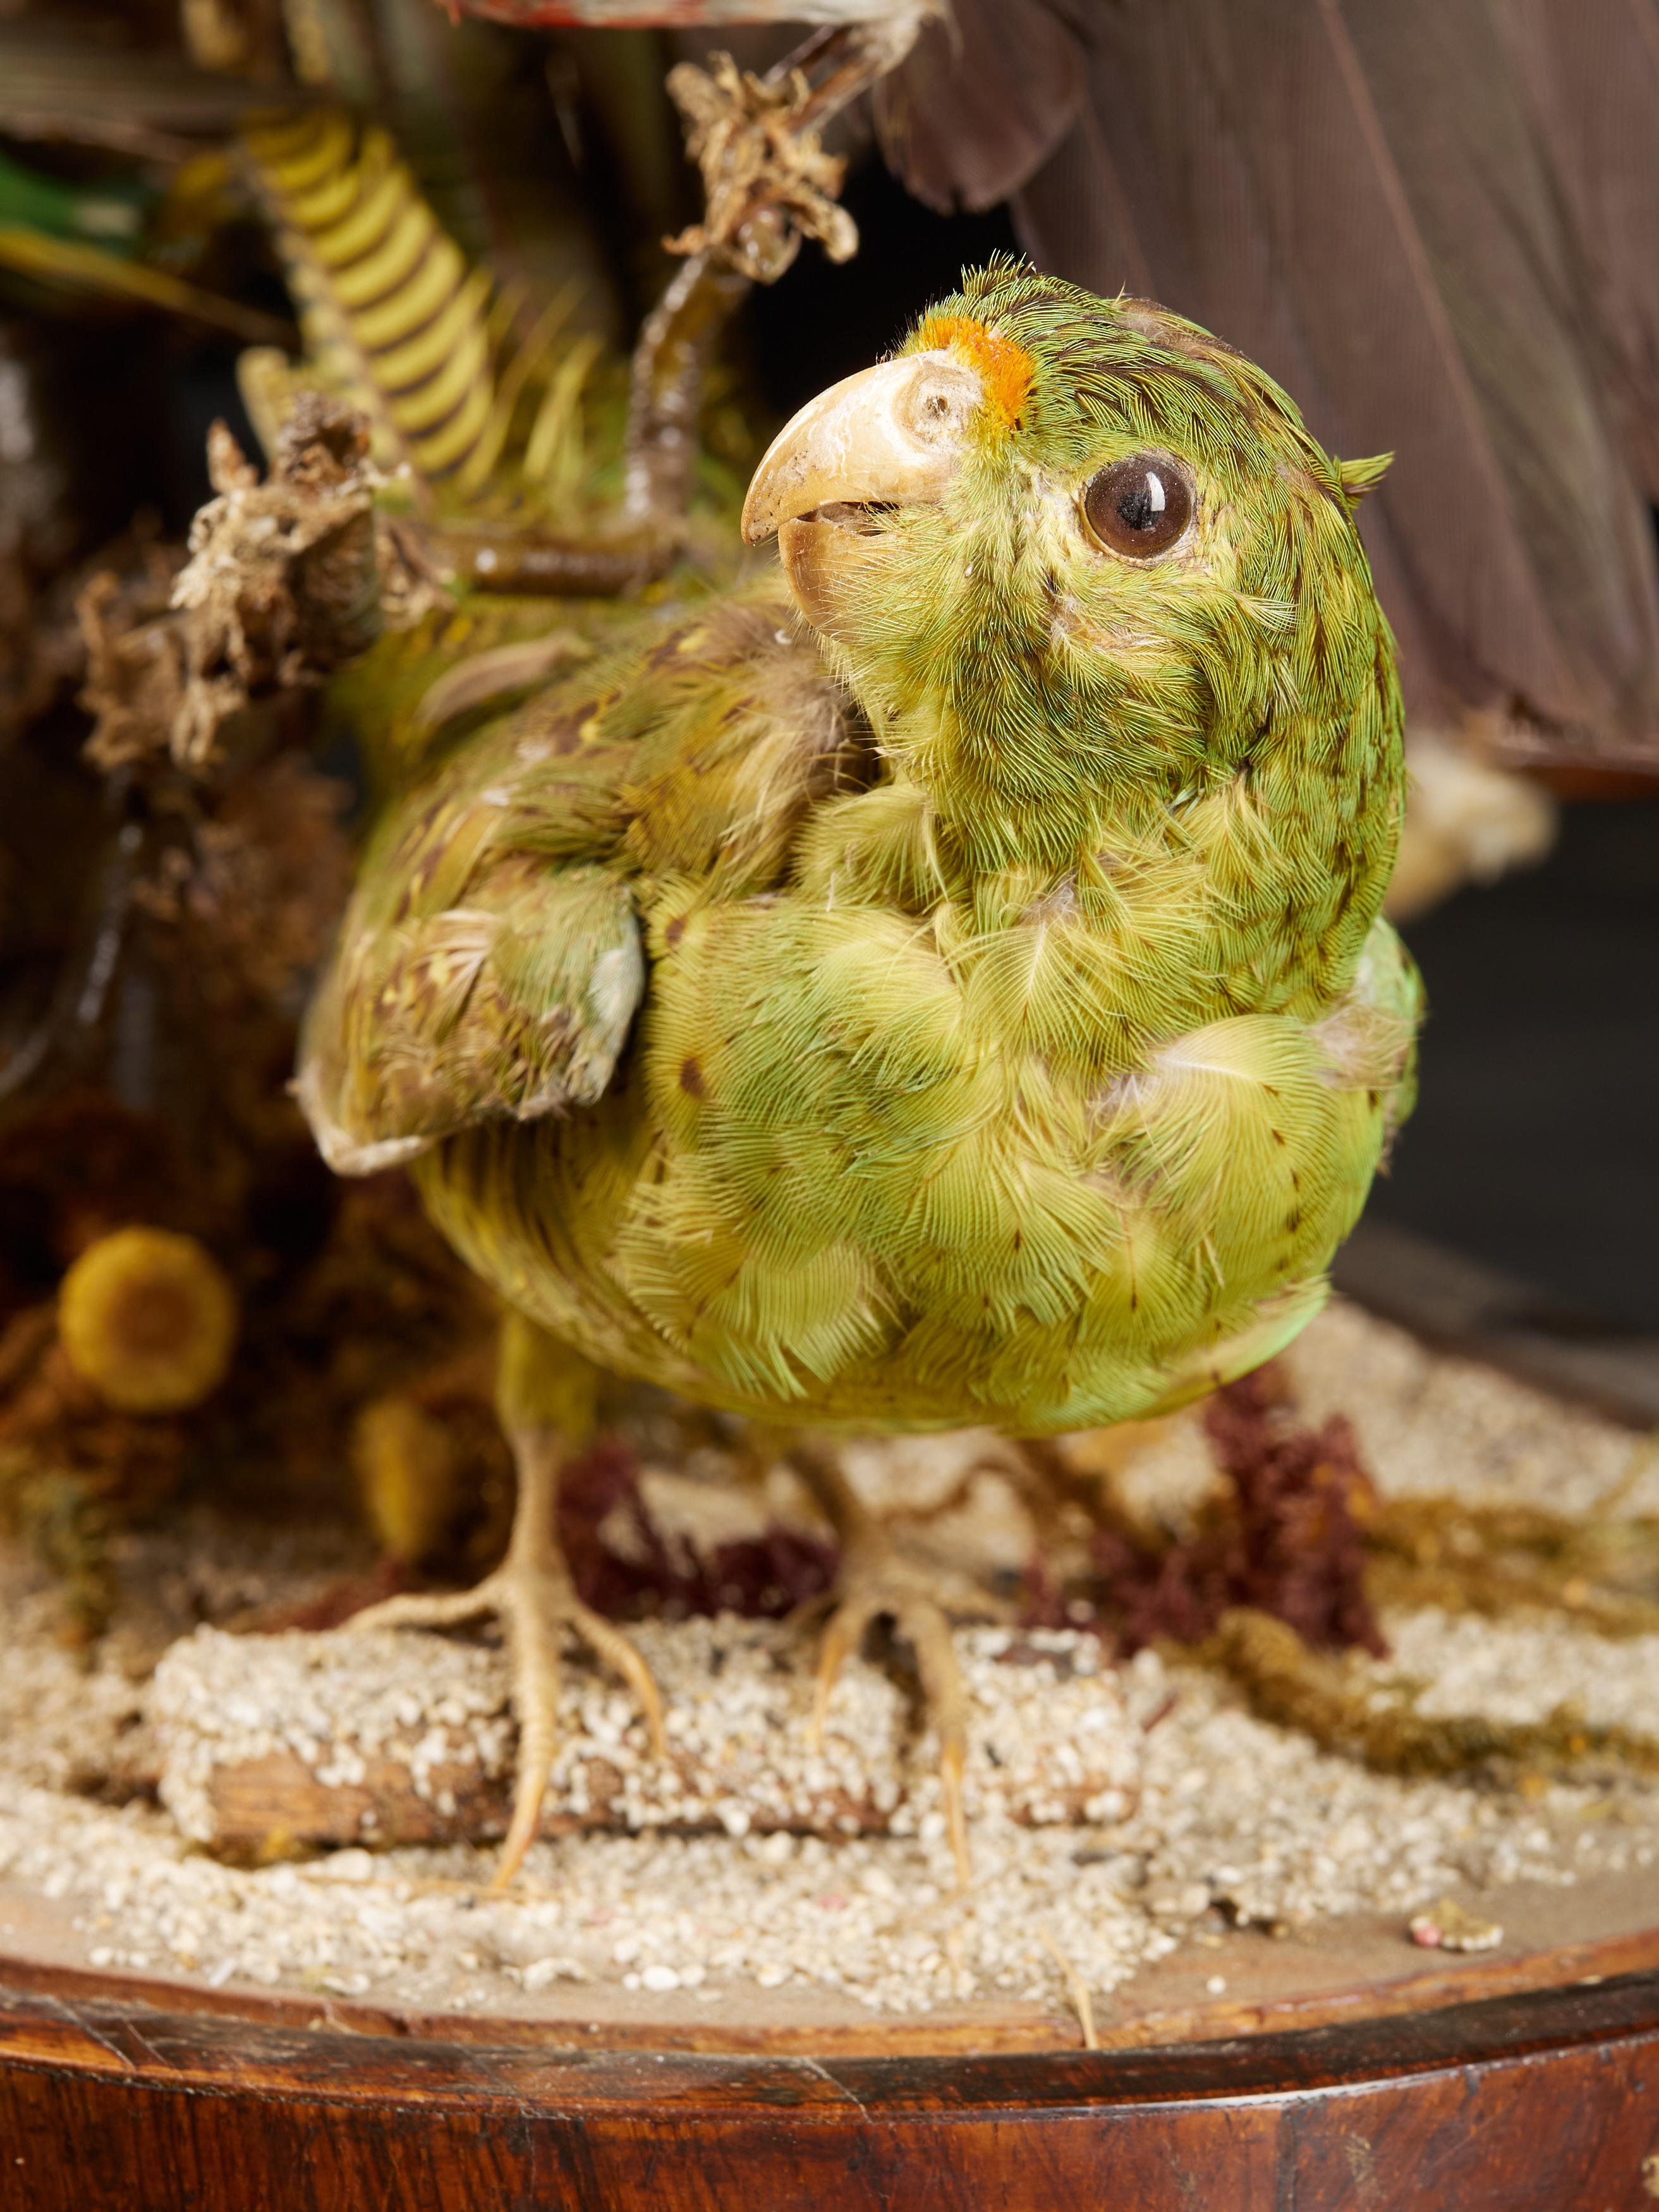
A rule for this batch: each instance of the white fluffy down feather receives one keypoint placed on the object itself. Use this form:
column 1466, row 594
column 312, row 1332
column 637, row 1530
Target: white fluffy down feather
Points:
column 1465, row 823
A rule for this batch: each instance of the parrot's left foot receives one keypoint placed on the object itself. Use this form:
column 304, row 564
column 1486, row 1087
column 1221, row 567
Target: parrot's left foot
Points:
column 533, row 1596
column 873, row 1582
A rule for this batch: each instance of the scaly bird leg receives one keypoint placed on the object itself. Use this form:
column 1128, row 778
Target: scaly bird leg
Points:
column 874, row 1581
column 533, row 1596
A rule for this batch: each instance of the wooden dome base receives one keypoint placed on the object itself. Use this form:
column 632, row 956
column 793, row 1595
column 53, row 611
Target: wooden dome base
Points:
column 1537, row 2100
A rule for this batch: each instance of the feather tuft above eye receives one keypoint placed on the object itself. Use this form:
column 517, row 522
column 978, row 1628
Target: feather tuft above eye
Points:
column 1357, row 478
column 1007, row 367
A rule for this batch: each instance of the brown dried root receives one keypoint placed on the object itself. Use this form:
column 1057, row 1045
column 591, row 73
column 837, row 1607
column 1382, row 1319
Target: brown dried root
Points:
column 287, row 582
column 1349, row 1713
column 1500, row 1559
column 766, row 181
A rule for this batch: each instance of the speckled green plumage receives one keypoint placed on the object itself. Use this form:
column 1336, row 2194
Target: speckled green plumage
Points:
column 987, row 1018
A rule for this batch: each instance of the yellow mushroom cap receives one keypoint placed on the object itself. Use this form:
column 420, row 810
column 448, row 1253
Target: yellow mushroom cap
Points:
column 148, row 1318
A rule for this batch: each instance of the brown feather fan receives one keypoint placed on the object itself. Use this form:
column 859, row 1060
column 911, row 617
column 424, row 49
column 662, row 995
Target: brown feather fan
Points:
column 983, row 98
column 1591, row 71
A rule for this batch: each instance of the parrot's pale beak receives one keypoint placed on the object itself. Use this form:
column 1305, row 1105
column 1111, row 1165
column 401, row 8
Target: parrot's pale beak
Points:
column 887, row 436
column 891, row 436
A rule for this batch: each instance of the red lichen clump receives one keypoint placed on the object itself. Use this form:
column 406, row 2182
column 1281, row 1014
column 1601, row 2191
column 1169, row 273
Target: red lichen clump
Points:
column 761, row 1577
column 1289, row 1541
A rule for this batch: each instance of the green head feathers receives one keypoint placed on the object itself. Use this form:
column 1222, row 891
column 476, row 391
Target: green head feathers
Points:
column 1074, row 555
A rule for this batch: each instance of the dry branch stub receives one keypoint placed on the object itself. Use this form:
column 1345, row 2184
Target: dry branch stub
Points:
column 275, row 1743
column 288, row 580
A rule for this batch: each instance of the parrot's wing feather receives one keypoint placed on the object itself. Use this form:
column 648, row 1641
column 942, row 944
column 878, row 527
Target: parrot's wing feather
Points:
column 492, row 960
column 489, row 965
column 1592, row 73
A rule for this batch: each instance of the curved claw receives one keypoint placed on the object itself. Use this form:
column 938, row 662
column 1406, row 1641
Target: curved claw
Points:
column 922, row 1623
column 952, row 1759
column 873, row 1579
column 427, row 1608
column 928, row 1632
column 532, row 1602
column 842, row 1638
column 532, row 1644
column 532, row 1623
column 618, row 1652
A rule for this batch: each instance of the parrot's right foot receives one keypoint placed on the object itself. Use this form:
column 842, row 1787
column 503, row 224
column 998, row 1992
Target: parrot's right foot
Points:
column 533, row 1596
column 873, row 1583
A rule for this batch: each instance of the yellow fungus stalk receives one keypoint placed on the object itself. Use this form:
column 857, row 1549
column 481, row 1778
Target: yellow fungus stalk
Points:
column 405, row 1466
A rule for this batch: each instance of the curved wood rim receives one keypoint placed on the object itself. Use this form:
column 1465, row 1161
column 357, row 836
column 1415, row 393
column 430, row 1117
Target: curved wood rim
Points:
column 207, row 2055
column 1525, row 2103
column 1449, row 1981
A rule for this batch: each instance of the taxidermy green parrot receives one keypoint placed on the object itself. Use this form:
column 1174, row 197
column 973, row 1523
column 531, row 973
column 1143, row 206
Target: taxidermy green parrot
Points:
column 941, row 982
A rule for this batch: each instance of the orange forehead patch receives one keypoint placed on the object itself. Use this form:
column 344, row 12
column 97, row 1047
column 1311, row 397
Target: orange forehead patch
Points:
column 1007, row 369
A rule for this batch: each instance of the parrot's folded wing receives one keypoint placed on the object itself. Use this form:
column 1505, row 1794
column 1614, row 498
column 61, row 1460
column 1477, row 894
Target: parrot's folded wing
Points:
column 489, row 966
column 492, row 960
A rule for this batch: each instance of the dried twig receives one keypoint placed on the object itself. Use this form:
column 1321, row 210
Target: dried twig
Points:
column 288, row 580
column 766, row 181
column 1077, row 1989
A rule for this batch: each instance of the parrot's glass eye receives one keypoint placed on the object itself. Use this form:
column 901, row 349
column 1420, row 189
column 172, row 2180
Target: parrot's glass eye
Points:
column 1139, row 507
